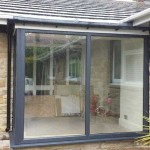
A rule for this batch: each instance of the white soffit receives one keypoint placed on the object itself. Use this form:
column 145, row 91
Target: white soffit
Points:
column 79, row 29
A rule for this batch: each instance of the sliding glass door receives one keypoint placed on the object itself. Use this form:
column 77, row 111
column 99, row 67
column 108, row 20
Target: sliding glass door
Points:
column 79, row 86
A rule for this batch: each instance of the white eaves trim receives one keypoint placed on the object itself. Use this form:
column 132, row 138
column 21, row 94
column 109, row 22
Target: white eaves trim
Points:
column 30, row 17
column 139, row 18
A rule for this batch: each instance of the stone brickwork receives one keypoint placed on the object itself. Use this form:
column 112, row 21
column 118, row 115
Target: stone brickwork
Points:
column 4, row 145
column 3, row 83
column 100, row 68
column 115, row 95
column 4, row 142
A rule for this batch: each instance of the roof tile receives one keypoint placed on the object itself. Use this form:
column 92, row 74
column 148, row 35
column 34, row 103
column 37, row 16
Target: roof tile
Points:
column 87, row 9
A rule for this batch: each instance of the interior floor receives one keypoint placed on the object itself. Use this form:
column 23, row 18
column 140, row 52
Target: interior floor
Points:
column 63, row 126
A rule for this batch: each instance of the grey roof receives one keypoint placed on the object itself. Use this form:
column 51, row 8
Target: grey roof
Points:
column 84, row 9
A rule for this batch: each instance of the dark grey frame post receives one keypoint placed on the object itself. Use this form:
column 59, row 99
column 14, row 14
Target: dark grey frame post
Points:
column 87, row 85
column 146, row 82
column 19, row 87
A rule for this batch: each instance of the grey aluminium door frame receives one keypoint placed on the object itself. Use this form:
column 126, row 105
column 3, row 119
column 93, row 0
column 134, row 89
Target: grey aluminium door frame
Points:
column 19, row 87
column 18, row 130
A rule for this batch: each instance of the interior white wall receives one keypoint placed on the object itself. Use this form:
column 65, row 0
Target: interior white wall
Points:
column 131, row 94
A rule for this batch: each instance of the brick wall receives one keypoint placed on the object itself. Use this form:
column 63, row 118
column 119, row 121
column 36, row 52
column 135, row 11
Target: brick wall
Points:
column 4, row 143
column 3, row 83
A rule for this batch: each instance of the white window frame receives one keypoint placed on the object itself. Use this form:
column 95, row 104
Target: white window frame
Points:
column 123, row 58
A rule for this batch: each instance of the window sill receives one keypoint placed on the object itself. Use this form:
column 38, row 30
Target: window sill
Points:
column 89, row 139
column 118, row 85
column 114, row 85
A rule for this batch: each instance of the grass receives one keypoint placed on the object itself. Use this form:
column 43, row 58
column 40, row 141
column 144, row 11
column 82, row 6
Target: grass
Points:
column 145, row 140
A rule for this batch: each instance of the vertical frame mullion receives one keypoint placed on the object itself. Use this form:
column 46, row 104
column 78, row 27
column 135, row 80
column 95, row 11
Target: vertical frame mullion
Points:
column 146, row 83
column 87, row 85
column 19, row 86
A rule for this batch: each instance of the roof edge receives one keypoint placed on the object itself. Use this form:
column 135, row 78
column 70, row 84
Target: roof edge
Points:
column 70, row 21
column 87, row 25
column 32, row 17
column 135, row 16
column 64, row 20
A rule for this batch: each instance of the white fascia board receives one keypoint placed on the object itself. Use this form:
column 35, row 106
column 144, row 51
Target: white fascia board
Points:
column 136, row 16
column 4, row 17
column 30, row 17
column 141, row 20
column 79, row 29
column 3, row 21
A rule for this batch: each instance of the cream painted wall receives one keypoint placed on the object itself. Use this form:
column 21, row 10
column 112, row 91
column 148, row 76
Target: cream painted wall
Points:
column 131, row 93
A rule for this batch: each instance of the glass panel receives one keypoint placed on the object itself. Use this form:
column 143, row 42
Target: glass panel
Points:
column 116, row 107
column 54, row 85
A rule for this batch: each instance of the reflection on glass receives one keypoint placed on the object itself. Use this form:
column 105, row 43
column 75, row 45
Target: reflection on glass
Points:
column 116, row 85
column 54, row 85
